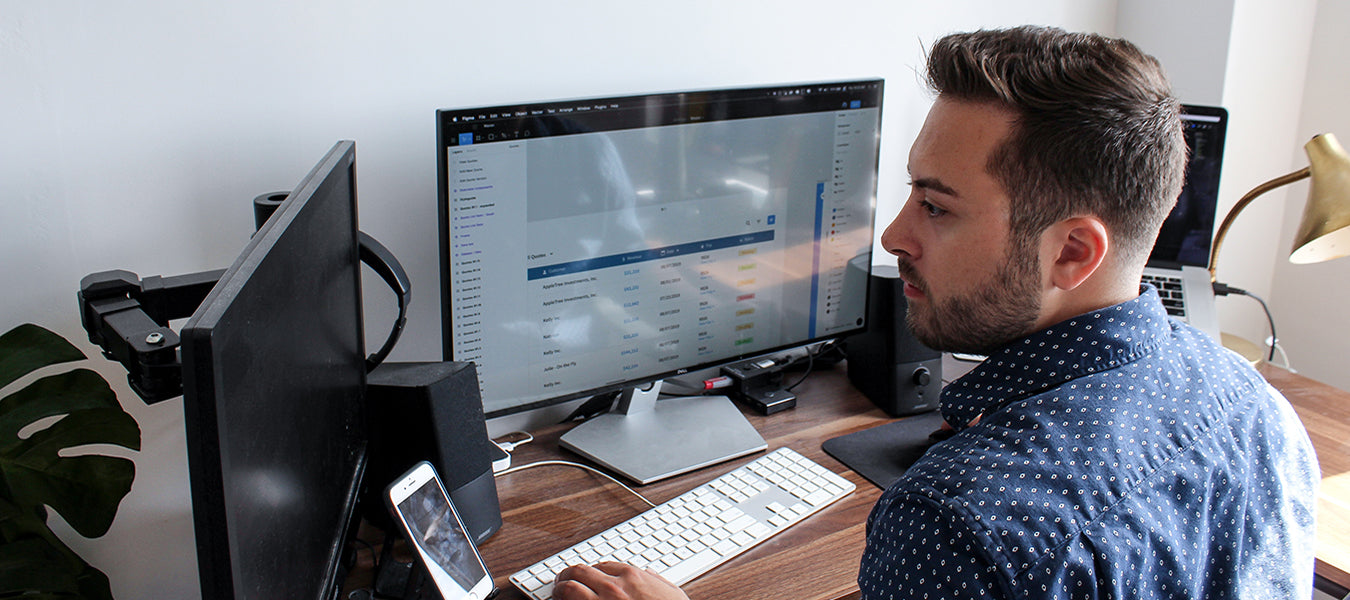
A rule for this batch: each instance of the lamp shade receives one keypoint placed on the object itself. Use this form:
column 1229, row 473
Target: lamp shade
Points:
column 1324, row 232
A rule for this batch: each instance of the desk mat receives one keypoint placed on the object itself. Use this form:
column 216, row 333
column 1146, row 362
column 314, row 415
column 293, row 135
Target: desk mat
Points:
column 883, row 453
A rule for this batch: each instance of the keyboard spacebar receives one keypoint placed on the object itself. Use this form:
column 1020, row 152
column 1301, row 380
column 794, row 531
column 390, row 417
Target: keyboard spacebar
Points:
column 690, row 567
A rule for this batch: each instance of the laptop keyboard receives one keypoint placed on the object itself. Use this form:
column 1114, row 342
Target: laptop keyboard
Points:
column 1169, row 289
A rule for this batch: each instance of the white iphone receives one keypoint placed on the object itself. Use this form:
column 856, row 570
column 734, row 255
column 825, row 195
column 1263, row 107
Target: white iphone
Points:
column 431, row 525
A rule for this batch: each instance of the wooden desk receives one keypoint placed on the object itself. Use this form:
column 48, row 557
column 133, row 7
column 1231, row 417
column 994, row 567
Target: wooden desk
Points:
column 547, row 509
column 1325, row 412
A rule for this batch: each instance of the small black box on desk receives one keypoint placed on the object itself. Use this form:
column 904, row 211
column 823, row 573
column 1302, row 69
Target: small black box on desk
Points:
column 433, row 411
column 885, row 362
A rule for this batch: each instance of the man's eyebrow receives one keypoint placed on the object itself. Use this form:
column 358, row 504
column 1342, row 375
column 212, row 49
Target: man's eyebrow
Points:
column 930, row 183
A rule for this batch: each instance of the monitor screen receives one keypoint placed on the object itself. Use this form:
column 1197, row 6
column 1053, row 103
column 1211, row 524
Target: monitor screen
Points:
column 274, row 376
column 599, row 243
column 1188, row 232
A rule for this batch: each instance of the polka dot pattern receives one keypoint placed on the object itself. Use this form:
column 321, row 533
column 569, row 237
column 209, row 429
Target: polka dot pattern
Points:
column 1119, row 454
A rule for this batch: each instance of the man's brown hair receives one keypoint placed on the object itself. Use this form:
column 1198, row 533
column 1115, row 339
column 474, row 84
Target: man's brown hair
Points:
column 1097, row 128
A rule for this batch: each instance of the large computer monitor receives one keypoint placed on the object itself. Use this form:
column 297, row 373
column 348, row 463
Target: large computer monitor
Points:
column 274, row 375
column 600, row 244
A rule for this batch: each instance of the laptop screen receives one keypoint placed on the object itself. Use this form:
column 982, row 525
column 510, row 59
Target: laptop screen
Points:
column 1187, row 233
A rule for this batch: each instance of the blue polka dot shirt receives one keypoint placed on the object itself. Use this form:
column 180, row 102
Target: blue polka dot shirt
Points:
column 1119, row 454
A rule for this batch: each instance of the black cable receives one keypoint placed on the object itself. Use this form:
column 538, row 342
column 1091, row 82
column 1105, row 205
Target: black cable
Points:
column 811, row 363
column 1221, row 289
column 374, row 556
column 597, row 405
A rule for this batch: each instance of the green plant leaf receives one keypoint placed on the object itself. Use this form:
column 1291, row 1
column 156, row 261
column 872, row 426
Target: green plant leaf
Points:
column 60, row 415
column 34, row 568
column 27, row 348
column 34, row 563
column 60, row 394
column 85, row 489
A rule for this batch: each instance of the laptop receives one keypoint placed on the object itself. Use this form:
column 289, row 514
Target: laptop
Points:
column 1179, row 264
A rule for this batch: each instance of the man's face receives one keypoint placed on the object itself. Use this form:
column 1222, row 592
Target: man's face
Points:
column 970, row 286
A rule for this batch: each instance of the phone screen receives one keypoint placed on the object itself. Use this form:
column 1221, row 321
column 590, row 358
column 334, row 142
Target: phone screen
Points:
column 436, row 531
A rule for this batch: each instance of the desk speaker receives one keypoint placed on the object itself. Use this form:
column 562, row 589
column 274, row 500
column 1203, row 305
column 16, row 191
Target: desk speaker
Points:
column 895, row 371
column 433, row 411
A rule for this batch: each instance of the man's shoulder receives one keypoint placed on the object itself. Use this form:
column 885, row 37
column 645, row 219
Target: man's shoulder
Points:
column 1193, row 362
column 1057, row 464
column 1061, row 457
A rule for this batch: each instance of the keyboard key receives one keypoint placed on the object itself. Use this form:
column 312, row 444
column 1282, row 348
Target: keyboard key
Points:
column 692, row 567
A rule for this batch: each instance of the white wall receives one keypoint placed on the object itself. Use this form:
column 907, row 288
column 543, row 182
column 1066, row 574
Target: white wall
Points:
column 1280, row 70
column 1195, row 57
column 1263, row 91
column 1309, row 300
column 135, row 133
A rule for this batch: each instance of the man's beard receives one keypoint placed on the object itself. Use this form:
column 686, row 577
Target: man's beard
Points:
column 997, row 312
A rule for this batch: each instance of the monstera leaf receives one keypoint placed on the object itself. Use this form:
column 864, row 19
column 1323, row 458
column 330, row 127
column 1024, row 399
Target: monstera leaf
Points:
column 55, row 413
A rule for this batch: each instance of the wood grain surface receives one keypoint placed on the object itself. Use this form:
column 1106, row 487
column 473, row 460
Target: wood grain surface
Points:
column 549, row 508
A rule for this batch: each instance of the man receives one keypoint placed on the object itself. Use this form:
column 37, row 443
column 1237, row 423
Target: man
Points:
column 1102, row 450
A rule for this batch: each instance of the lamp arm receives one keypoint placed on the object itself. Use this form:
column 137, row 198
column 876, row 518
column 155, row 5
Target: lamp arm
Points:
column 1241, row 204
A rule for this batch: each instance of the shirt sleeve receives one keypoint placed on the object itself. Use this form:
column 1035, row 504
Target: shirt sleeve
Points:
column 918, row 548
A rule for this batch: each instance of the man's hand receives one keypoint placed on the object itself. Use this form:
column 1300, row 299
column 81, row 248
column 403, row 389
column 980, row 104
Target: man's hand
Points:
column 613, row 581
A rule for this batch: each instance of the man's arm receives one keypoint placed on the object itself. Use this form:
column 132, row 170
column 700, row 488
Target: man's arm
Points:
column 919, row 548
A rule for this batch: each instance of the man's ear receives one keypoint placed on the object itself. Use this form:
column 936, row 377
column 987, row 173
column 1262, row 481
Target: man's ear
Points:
column 1078, row 246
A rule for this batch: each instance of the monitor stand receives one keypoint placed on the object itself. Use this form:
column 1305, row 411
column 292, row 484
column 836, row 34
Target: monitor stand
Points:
column 645, row 440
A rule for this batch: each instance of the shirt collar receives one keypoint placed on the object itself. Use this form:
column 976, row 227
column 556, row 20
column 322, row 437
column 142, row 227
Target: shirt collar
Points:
column 1092, row 342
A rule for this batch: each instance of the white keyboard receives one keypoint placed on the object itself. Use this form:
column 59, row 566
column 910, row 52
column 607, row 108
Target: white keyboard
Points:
column 689, row 535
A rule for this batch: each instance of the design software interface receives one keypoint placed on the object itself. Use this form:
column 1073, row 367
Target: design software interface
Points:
column 596, row 242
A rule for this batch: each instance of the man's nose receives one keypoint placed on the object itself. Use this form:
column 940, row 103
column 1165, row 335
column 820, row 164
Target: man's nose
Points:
column 896, row 239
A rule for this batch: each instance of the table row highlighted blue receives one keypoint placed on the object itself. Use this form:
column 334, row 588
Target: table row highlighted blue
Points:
column 640, row 256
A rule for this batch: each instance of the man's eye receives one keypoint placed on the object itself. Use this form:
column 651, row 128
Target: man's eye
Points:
column 931, row 209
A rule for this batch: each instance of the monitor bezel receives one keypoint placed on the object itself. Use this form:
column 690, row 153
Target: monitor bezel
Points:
column 216, row 556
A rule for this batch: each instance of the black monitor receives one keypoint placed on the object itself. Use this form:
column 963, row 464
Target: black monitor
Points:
column 274, row 375
column 601, row 244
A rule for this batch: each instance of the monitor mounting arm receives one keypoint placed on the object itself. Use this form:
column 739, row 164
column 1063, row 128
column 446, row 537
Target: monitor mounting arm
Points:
column 128, row 317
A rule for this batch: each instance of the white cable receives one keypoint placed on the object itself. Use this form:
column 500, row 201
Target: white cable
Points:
column 564, row 463
column 509, row 446
column 1284, row 356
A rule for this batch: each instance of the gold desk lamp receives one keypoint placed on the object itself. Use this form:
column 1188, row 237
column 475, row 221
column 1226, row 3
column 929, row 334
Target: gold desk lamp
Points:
column 1324, row 232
